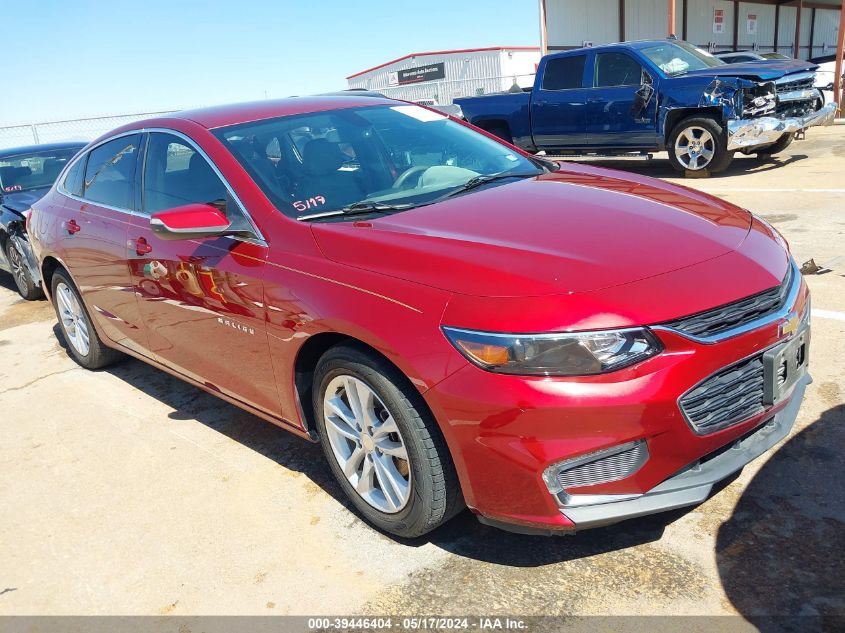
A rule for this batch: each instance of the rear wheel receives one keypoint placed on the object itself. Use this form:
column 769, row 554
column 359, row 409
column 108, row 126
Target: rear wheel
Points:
column 382, row 444
column 699, row 143
column 20, row 271
column 82, row 339
column 778, row 146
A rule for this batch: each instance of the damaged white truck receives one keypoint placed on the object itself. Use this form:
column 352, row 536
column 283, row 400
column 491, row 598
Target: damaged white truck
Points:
column 656, row 95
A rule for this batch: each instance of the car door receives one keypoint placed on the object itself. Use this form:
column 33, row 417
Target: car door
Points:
column 558, row 104
column 202, row 300
column 621, row 105
column 94, row 212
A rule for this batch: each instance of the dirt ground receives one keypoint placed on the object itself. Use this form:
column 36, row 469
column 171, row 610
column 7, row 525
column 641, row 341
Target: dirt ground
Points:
column 126, row 491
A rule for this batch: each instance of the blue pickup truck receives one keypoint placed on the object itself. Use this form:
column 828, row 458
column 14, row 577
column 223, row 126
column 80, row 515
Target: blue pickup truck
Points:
column 656, row 95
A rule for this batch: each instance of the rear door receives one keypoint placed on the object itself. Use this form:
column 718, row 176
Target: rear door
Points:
column 202, row 300
column 95, row 212
column 621, row 105
column 558, row 103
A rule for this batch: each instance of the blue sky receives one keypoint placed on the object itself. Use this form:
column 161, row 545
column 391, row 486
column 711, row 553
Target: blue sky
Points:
column 86, row 57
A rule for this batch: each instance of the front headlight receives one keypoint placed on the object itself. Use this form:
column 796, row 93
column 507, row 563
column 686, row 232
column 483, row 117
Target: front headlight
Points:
column 557, row 354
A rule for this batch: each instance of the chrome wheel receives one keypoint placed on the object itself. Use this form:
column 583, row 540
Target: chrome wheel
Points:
column 18, row 271
column 694, row 148
column 367, row 444
column 73, row 319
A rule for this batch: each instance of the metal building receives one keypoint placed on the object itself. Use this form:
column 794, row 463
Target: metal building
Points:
column 803, row 29
column 437, row 77
column 800, row 28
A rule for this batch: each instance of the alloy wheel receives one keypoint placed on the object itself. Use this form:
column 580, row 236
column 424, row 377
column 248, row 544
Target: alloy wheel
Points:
column 367, row 444
column 18, row 270
column 694, row 148
column 73, row 319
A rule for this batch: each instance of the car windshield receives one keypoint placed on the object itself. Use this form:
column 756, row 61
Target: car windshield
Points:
column 676, row 58
column 775, row 56
column 33, row 170
column 368, row 159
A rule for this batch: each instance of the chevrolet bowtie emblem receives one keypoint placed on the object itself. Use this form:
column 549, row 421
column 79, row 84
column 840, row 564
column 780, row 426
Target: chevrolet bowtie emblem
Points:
column 789, row 326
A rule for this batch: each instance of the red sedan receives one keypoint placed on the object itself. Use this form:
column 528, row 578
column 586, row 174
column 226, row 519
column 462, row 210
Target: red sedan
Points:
column 455, row 321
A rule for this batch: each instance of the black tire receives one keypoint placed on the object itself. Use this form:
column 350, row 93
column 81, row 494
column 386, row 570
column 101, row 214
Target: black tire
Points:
column 435, row 495
column 98, row 355
column 721, row 157
column 778, row 146
column 27, row 288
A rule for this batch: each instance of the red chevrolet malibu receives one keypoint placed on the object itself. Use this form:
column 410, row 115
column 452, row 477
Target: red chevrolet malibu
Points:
column 456, row 322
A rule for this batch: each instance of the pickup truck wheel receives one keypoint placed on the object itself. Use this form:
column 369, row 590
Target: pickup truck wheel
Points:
column 699, row 143
column 778, row 146
column 382, row 445
column 27, row 288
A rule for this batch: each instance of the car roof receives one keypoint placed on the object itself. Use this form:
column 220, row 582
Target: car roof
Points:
column 44, row 147
column 225, row 115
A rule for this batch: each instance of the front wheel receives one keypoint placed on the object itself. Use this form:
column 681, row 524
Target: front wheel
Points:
column 699, row 143
column 27, row 288
column 382, row 444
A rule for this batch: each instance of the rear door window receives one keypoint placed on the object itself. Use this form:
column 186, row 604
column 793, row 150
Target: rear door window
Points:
column 564, row 73
column 110, row 172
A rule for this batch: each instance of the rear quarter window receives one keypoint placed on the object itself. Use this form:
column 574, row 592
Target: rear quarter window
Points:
column 74, row 180
column 564, row 73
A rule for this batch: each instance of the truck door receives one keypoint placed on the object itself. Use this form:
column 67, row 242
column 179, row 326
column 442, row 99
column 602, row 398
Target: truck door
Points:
column 558, row 104
column 622, row 103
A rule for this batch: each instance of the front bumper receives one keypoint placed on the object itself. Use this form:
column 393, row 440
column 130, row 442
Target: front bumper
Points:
column 745, row 133
column 693, row 484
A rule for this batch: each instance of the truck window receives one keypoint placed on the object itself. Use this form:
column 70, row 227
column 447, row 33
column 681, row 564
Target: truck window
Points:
column 564, row 73
column 616, row 69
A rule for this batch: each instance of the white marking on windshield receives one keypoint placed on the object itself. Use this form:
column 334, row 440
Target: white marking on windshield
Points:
column 418, row 113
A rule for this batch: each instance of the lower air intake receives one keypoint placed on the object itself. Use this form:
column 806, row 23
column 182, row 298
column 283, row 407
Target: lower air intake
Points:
column 602, row 467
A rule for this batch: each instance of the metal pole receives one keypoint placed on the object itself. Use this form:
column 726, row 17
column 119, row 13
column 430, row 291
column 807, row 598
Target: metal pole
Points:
column 544, row 34
column 35, row 134
column 837, row 69
column 796, row 48
column 671, row 19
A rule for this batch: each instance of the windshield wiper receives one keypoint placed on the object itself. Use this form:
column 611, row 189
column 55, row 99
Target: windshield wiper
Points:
column 363, row 207
column 477, row 181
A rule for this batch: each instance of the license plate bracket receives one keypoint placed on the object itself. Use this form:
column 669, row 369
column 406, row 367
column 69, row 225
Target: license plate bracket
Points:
column 783, row 366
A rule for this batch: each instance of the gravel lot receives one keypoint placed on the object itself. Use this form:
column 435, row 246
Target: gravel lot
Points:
column 126, row 491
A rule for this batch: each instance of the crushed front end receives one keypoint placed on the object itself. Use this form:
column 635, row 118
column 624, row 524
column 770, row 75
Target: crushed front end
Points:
column 760, row 113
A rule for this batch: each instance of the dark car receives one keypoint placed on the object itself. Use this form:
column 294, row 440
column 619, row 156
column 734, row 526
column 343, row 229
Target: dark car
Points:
column 26, row 174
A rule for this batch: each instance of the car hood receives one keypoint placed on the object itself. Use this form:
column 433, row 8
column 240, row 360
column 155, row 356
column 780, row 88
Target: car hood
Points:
column 767, row 70
column 578, row 229
column 20, row 201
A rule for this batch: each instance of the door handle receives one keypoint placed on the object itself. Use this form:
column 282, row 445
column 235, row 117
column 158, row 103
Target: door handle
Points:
column 72, row 227
column 142, row 247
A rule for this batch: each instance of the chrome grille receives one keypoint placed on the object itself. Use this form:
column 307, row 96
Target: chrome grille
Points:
column 726, row 317
column 600, row 470
column 804, row 81
column 730, row 396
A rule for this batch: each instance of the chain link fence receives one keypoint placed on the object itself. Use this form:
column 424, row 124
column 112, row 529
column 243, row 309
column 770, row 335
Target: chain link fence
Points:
column 87, row 129
column 445, row 91
column 71, row 130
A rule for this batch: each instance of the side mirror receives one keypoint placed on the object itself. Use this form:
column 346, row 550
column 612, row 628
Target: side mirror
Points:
column 643, row 95
column 189, row 222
